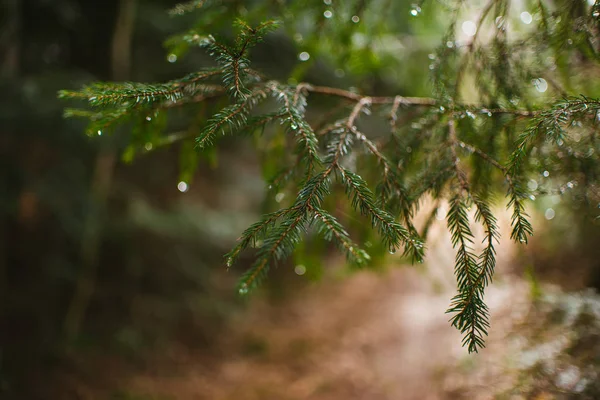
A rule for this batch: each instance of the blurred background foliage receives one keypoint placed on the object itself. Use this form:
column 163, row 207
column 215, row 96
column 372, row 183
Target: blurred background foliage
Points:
column 101, row 254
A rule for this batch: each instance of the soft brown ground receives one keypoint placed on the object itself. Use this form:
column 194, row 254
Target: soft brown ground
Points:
column 371, row 336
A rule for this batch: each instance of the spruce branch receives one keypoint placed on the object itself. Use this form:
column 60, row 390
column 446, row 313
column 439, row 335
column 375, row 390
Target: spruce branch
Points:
column 283, row 239
column 234, row 117
column 332, row 230
column 470, row 313
column 130, row 94
column 420, row 156
column 487, row 259
column 393, row 234
column 292, row 111
column 234, row 61
column 277, row 246
column 252, row 234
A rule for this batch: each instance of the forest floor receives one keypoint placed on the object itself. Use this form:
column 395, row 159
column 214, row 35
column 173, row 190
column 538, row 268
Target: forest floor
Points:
column 377, row 336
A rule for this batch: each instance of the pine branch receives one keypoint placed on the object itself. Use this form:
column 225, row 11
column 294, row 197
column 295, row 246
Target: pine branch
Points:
column 283, row 239
column 130, row 94
column 278, row 245
column 420, row 157
column 549, row 124
column 332, row 230
column 292, row 112
column 233, row 61
column 393, row 234
column 487, row 259
column 391, row 184
column 470, row 312
column 253, row 233
column 234, row 117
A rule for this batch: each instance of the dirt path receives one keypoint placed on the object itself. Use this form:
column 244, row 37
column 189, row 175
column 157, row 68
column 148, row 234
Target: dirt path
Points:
column 371, row 336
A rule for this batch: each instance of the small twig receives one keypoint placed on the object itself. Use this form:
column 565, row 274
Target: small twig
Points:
column 394, row 111
column 453, row 139
column 363, row 102
column 415, row 101
column 483, row 155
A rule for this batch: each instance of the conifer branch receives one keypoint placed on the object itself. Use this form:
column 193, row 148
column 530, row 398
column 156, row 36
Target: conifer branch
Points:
column 278, row 245
column 470, row 312
column 130, row 94
column 420, row 156
column 331, row 229
column 292, row 112
column 393, row 234
column 252, row 234
column 235, row 117
column 284, row 238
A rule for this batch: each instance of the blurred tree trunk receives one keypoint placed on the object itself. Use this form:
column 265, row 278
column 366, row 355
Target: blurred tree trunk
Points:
column 10, row 39
column 101, row 181
column 10, row 50
column 121, row 42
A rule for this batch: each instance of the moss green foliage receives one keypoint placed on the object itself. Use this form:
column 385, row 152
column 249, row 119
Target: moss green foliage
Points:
column 390, row 152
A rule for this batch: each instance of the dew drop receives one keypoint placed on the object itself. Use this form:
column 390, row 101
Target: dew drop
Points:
column 328, row 14
column 171, row 58
column 304, row 56
column 415, row 10
column 546, row 174
column 148, row 118
column 99, row 133
column 526, row 17
column 243, row 290
column 148, row 146
column 532, row 184
column 229, row 263
column 300, row 269
column 355, row 19
column 392, row 250
column 541, row 85
column 549, row 214
column 469, row 28
column 182, row 187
